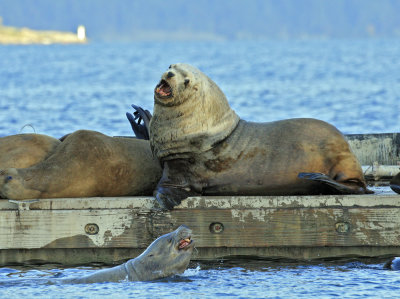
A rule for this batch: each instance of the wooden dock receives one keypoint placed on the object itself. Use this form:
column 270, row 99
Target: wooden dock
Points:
column 74, row 231
column 109, row 230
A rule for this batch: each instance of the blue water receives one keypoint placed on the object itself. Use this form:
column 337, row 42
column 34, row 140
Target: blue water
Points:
column 354, row 85
column 239, row 279
column 57, row 89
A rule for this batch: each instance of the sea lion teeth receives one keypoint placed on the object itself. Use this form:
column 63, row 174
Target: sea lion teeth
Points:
column 158, row 261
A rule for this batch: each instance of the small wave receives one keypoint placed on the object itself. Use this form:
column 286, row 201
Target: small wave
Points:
column 191, row 272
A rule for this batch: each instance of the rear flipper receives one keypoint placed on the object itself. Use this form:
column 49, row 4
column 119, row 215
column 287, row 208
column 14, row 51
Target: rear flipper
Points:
column 395, row 183
column 338, row 188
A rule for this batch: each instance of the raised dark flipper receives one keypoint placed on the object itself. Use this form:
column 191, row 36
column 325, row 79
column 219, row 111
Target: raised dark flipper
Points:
column 395, row 183
column 336, row 186
column 140, row 121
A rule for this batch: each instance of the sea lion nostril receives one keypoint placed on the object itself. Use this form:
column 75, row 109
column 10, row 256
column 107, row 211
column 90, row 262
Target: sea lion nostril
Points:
column 170, row 74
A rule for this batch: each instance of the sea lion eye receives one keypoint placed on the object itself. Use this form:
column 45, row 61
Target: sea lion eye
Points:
column 9, row 178
column 187, row 82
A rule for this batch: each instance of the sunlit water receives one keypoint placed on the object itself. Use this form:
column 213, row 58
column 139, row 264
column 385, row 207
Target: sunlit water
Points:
column 241, row 279
column 57, row 89
column 354, row 85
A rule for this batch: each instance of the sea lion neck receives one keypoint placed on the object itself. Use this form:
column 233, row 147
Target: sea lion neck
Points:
column 201, row 118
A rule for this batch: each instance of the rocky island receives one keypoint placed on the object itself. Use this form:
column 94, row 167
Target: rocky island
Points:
column 24, row 36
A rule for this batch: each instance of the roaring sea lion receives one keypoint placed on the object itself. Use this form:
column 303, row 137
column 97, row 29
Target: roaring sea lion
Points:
column 205, row 149
column 86, row 164
column 395, row 183
column 168, row 255
column 25, row 150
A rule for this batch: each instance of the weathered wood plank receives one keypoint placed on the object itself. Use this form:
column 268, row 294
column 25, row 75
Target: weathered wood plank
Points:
column 267, row 227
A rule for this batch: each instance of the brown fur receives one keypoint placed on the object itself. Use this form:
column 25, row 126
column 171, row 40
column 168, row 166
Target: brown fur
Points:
column 25, row 150
column 86, row 164
column 253, row 159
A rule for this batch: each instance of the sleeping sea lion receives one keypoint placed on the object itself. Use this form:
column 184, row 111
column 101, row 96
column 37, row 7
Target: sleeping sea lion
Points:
column 395, row 183
column 205, row 149
column 86, row 164
column 25, row 150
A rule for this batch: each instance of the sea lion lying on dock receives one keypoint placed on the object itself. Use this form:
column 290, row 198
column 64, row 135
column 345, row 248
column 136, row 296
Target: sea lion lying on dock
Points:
column 205, row 149
column 86, row 164
column 168, row 255
column 25, row 150
column 395, row 184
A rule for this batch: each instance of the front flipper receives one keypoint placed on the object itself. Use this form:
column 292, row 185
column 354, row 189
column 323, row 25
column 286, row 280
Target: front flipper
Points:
column 170, row 196
column 336, row 186
column 395, row 183
column 140, row 129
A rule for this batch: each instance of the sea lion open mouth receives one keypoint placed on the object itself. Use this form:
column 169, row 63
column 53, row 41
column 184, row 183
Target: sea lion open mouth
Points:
column 163, row 90
column 183, row 243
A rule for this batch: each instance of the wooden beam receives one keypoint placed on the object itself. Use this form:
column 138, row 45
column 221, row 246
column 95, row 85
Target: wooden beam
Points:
column 263, row 226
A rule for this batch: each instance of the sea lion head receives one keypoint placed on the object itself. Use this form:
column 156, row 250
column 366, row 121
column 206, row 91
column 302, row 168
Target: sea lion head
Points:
column 190, row 114
column 167, row 255
column 178, row 84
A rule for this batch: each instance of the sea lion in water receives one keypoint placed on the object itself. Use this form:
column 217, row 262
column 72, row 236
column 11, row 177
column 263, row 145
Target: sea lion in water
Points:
column 86, row 164
column 25, row 150
column 395, row 184
column 206, row 149
column 166, row 256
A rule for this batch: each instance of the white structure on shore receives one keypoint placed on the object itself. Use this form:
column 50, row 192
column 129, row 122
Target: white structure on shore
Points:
column 81, row 32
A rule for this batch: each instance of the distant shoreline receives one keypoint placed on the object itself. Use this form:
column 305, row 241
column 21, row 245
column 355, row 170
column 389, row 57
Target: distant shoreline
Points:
column 26, row 36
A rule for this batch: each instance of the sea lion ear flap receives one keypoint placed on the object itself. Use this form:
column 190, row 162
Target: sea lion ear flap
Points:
column 141, row 130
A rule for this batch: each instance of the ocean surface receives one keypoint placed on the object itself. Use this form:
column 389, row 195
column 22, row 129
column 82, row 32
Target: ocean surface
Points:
column 57, row 89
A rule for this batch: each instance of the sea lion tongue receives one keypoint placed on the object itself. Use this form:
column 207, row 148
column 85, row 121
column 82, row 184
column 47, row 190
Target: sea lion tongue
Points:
column 184, row 242
column 163, row 89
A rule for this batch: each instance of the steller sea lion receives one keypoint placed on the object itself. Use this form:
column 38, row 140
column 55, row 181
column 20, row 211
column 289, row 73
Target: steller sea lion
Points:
column 25, row 150
column 166, row 256
column 86, row 164
column 205, row 149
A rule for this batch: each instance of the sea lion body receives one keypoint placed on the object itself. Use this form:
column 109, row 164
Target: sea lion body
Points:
column 207, row 151
column 25, row 150
column 85, row 164
column 395, row 184
column 168, row 255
